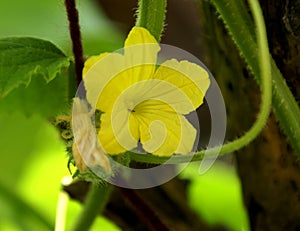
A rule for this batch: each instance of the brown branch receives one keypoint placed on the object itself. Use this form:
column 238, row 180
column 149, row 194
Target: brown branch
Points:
column 74, row 27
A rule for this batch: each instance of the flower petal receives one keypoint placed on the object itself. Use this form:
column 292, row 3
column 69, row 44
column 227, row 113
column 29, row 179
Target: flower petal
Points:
column 91, row 61
column 106, row 76
column 141, row 50
column 118, row 133
column 163, row 132
column 109, row 77
column 139, row 35
column 140, row 47
column 163, row 91
column 98, row 72
column 188, row 77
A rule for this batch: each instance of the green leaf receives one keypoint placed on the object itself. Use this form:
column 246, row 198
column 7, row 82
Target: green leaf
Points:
column 39, row 97
column 22, row 58
column 34, row 77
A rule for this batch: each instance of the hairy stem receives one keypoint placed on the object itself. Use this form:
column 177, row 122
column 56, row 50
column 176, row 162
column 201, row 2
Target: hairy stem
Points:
column 284, row 105
column 151, row 15
column 74, row 27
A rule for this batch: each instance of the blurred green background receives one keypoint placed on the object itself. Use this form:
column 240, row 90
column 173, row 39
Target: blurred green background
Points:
column 32, row 156
column 47, row 20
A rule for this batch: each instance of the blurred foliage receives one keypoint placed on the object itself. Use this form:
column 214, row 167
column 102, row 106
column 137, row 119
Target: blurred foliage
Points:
column 47, row 20
column 33, row 162
column 216, row 196
column 32, row 157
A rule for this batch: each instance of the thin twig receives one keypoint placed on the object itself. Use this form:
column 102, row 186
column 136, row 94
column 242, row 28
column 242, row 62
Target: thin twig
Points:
column 75, row 37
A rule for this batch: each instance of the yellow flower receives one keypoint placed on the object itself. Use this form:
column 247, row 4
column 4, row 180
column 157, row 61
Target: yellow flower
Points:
column 143, row 102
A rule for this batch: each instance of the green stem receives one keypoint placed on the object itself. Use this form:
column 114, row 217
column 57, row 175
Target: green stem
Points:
column 20, row 205
column 94, row 203
column 266, row 83
column 266, row 86
column 151, row 15
column 285, row 107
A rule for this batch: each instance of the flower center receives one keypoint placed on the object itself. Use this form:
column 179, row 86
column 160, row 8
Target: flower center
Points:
column 129, row 105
